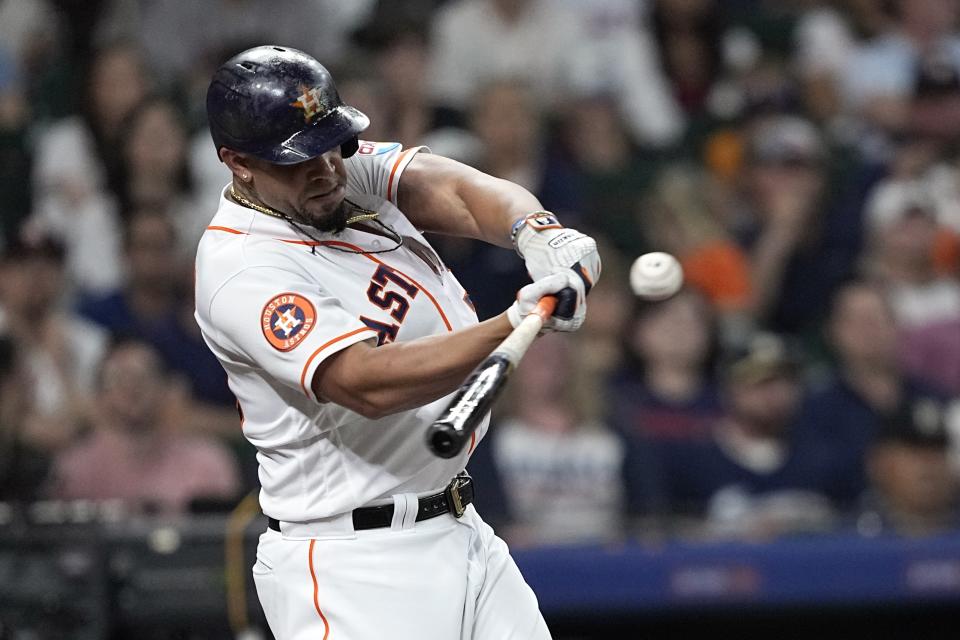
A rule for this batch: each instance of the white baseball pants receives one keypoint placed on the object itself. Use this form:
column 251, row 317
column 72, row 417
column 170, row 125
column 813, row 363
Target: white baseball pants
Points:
column 440, row 579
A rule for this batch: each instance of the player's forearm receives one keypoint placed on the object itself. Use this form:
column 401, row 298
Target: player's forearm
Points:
column 495, row 205
column 444, row 196
column 376, row 382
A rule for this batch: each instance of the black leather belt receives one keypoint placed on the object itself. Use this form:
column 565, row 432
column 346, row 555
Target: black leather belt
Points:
column 454, row 499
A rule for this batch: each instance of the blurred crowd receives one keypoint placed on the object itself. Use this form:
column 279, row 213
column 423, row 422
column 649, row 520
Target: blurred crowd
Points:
column 800, row 157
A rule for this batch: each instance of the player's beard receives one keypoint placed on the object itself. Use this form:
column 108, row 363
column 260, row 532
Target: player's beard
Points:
column 333, row 222
column 336, row 220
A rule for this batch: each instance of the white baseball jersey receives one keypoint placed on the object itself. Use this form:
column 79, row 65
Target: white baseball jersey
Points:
column 273, row 303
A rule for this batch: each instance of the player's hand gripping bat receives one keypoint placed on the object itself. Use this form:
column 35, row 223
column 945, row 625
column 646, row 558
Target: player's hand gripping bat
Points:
column 447, row 436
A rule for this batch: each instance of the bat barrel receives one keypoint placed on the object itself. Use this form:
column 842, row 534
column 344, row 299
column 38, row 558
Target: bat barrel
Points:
column 447, row 436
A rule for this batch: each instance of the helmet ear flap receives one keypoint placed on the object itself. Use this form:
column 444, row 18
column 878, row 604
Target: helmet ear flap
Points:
column 349, row 147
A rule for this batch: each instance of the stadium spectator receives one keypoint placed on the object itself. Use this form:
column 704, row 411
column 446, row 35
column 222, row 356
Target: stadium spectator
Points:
column 560, row 469
column 21, row 22
column 155, row 306
column 610, row 171
column 752, row 477
column 666, row 391
column 801, row 242
column 620, row 62
column 717, row 67
column 510, row 130
column 24, row 465
column 138, row 451
column 14, row 151
column 60, row 351
column 599, row 343
column 913, row 489
column 396, row 36
column 34, row 39
column 155, row 174
column 825, row 38
column 908, row 79
column 208, row 175
column 689, row 40
column 847, row 410
column 904, row 231
column 680, row 220
column 476, row 42
column 201, row 26
column 77, row 167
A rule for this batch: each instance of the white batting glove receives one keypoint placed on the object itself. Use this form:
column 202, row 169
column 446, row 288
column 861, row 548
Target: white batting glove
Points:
column 548, row 247
column 529, row 296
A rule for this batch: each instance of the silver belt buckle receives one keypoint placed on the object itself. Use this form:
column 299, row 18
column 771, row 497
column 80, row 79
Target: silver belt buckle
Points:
column 454, row 500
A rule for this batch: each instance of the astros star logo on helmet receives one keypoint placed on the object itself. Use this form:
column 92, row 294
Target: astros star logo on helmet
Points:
column 286, row 320
column 311, row 101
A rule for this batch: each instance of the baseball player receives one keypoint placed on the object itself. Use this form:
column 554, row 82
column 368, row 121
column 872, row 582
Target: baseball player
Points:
column 343, row 334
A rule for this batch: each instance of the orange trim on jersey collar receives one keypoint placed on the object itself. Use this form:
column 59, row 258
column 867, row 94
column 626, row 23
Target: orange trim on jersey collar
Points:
column 303, row 375
column 316, row 588
column 393, row 172
column 228, row 230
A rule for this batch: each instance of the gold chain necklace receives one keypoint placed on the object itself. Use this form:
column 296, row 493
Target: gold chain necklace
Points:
column 366, row 214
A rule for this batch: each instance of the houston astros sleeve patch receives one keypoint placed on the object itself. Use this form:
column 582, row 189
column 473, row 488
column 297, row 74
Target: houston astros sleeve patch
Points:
column 286, row 320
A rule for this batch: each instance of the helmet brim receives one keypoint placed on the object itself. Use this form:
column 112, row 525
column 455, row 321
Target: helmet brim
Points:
column 337, row 127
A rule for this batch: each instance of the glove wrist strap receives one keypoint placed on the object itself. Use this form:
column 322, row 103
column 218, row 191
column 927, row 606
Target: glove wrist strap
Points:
column 535, row 221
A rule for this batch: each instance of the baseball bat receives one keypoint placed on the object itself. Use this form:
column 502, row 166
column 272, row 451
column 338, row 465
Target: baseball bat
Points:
column 447, row 436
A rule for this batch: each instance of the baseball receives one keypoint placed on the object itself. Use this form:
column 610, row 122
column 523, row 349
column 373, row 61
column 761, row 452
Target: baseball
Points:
column 656, row 276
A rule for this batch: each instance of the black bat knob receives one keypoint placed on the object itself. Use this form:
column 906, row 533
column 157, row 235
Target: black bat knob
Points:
column 444, row 440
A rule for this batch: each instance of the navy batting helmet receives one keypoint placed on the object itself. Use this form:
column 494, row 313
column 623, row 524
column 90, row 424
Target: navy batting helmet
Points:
column 280, row 105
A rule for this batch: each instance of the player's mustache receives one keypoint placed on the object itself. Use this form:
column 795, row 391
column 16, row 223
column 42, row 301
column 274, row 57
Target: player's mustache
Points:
column 323, row 188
